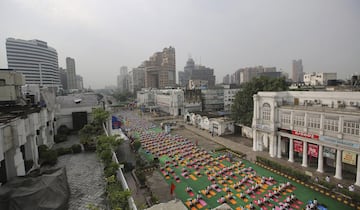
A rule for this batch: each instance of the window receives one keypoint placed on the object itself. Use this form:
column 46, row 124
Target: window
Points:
column 266, row 112
column 285, row 118
column 299, row 120
column 313, row 121
column 331, row 125
column 351, row 127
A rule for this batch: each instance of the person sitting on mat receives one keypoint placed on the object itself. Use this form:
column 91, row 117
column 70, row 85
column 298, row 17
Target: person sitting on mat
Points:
column 222, row 200
column 242, row 195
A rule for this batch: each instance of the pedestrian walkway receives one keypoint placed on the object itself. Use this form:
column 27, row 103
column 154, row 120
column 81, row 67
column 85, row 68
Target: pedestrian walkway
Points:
column 85, row 177
column 137, row 193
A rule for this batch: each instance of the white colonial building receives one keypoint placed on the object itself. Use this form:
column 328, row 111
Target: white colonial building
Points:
column 217, row 125
column 170, row 101
column 321, row 128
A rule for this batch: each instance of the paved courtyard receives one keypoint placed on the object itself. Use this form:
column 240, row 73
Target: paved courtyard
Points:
column 85, row 178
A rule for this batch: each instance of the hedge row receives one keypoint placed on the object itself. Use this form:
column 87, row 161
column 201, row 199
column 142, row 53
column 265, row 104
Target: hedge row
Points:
column 117, row 196
column 284, row 169
column 49, row 156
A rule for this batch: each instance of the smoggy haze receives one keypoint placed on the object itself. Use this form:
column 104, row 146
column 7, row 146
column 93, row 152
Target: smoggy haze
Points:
column 103, row 35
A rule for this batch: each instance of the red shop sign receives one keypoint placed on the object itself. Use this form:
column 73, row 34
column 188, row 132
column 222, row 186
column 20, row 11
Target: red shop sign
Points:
column 306, row 135
column 298, row 146
column 313, row 150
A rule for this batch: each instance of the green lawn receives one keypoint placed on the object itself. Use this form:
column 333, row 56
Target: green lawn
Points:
column 304, row 194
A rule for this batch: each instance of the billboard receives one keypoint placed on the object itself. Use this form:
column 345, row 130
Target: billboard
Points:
column 313, row 150
column 298, row 146
column 349, row 157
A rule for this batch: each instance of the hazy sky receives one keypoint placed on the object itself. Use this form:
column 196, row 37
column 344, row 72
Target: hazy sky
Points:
column 103, row 35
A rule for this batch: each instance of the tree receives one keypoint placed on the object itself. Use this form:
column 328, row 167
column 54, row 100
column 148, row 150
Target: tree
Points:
column 243, row 107
column 122, row 97
column 136, row 145
column 100, row 116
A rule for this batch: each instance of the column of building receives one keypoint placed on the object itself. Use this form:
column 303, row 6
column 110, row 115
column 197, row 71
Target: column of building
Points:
column 271, row 146
column 304, row 156
column 338, row 170
column 291, row 150
column 279, row 146
column 358, row 171
column 320, row 159
column 255, row 117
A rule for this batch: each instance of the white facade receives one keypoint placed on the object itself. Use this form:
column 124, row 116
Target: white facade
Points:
column 314, row 79
column 22, row 131
column 35, row 60
column 145, row 98
column 218, row 126
column 323, row 125
column 221, row 126
column 170, row 101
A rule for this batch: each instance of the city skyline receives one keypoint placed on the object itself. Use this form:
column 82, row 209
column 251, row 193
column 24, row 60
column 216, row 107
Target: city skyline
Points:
column 224, row 35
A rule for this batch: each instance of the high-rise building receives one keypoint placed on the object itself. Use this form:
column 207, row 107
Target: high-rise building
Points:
column 63, row 78
column 246, row 74
column 160, row 69
column 226, row 79
column 297, row 71
column 37, row 61
column 235, row 77
column 123, row 79
column 71, row 73
column 196, row 72
column 79, row 82
column 137, row 79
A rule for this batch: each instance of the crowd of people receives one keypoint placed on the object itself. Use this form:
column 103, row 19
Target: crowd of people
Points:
column 192, row 160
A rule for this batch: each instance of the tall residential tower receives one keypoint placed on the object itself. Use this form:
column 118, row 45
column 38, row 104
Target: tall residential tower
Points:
column 35, row 60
